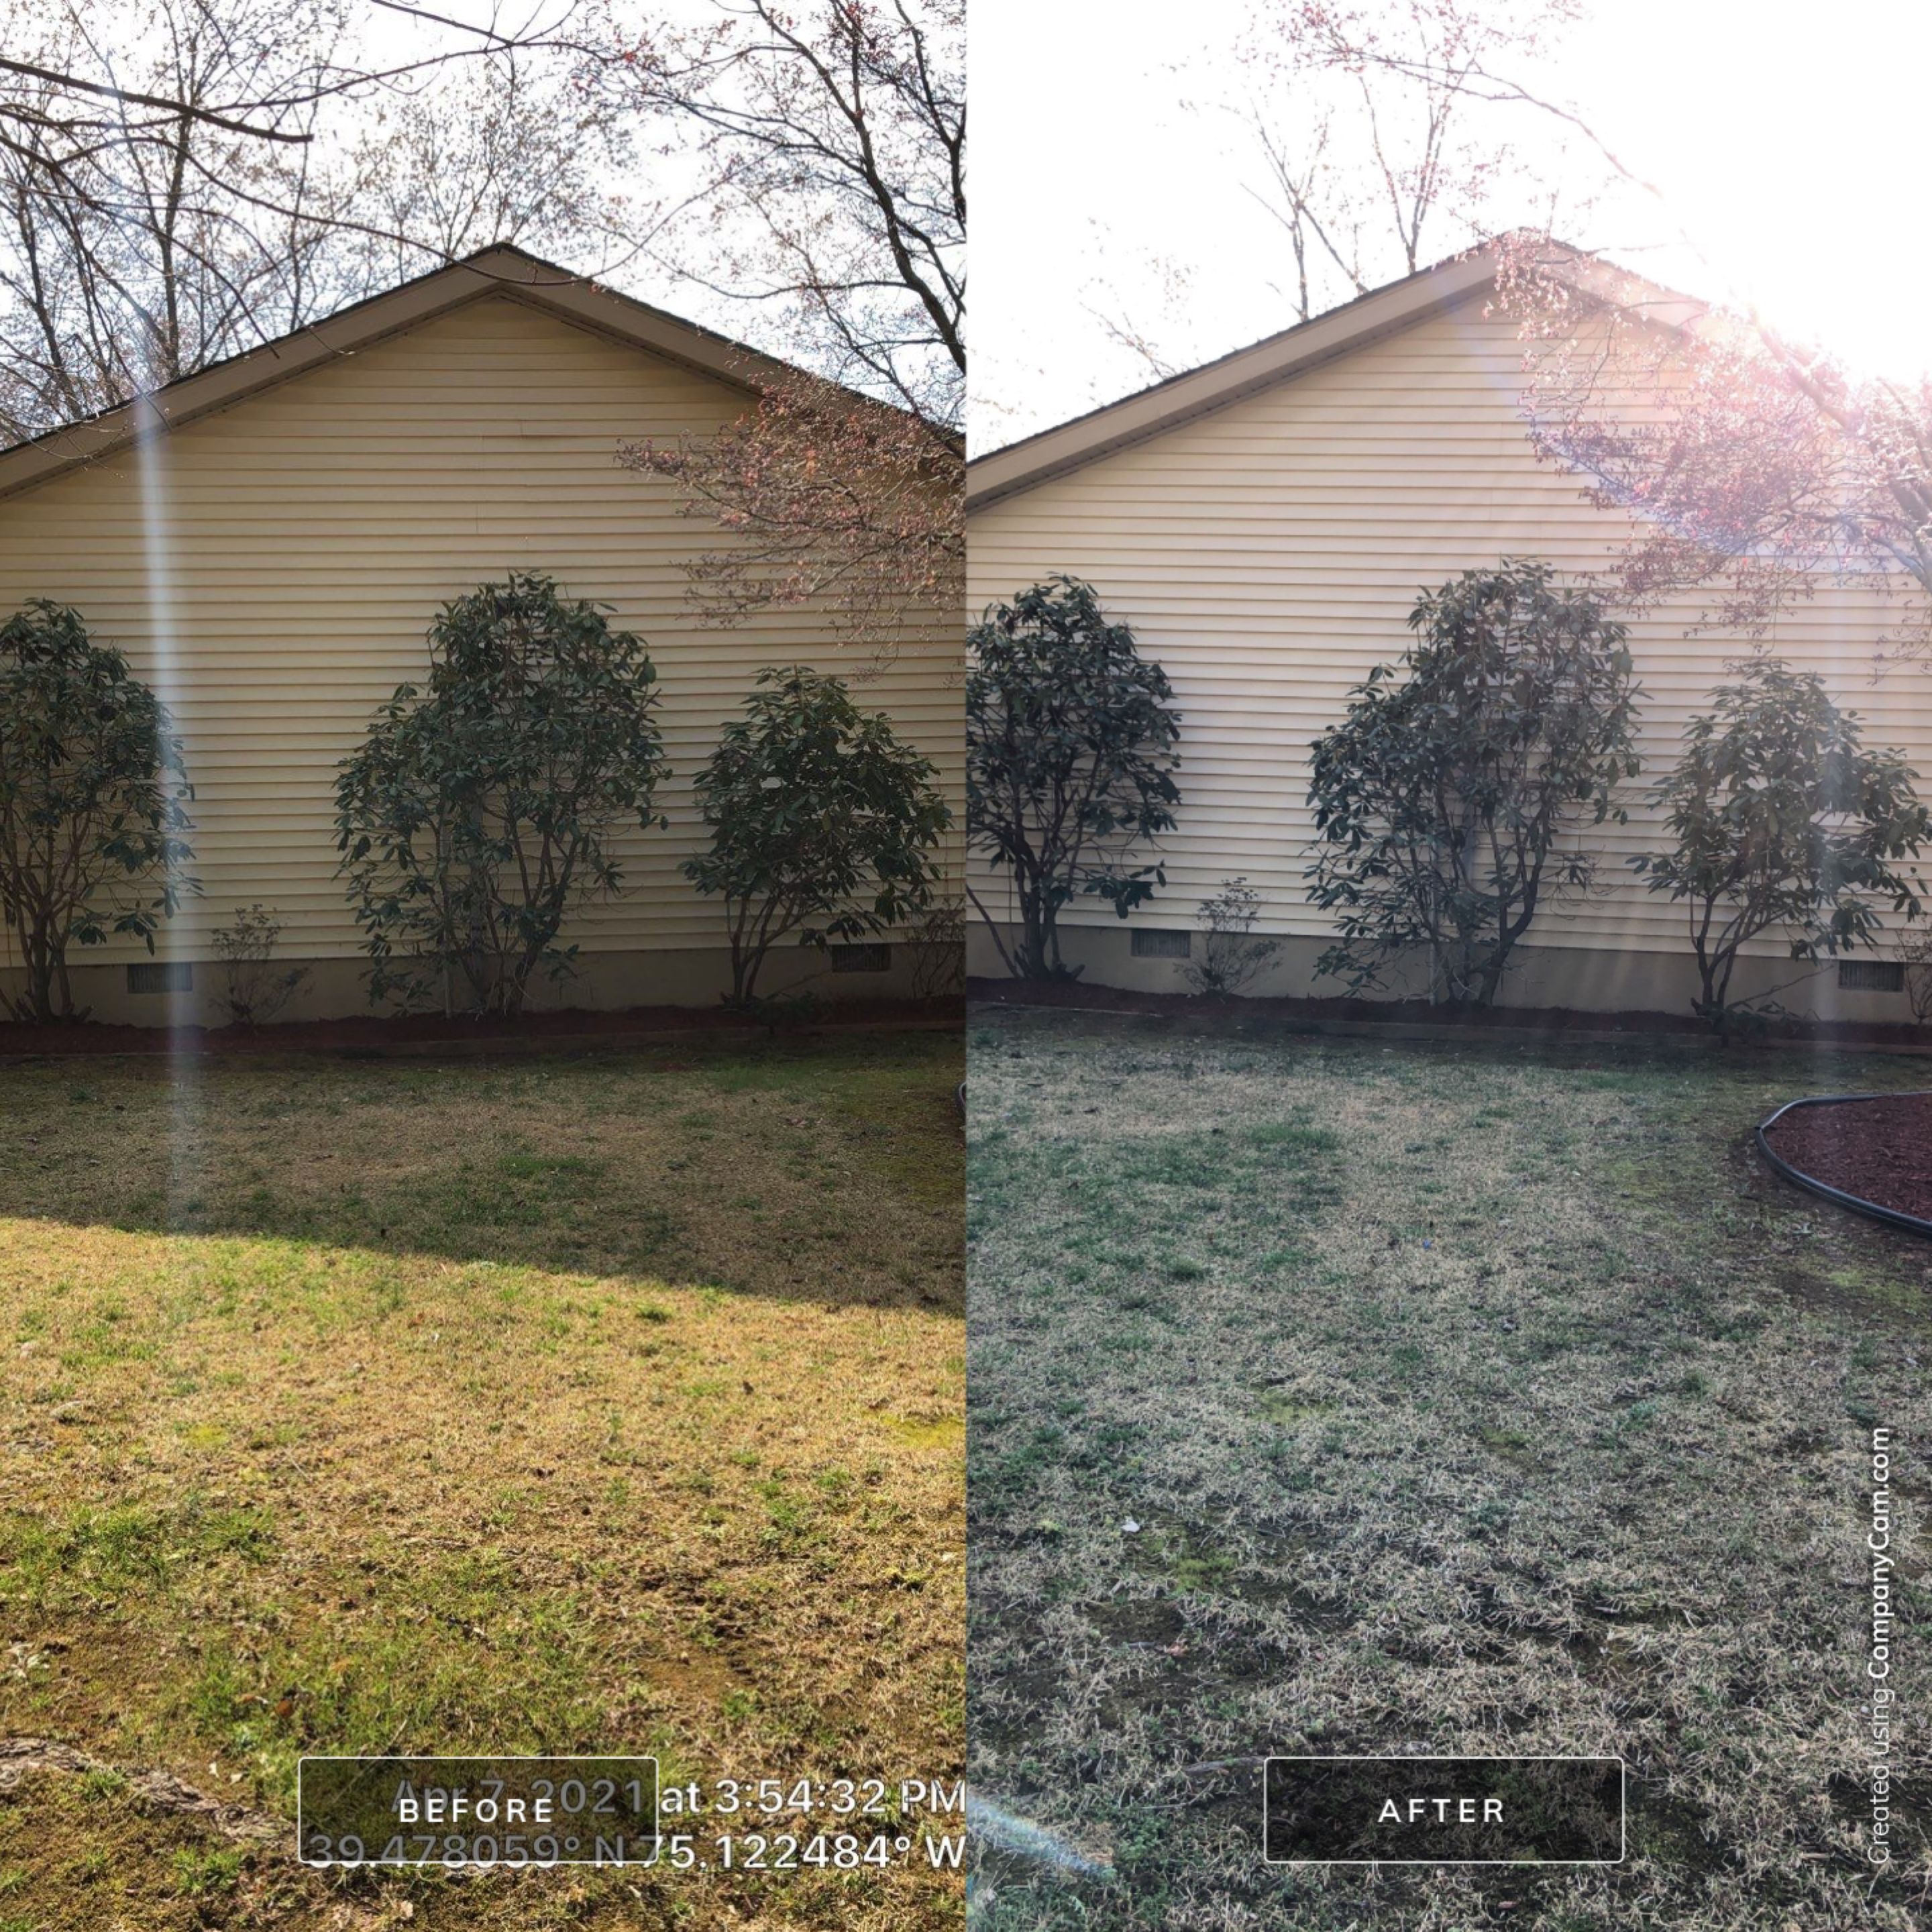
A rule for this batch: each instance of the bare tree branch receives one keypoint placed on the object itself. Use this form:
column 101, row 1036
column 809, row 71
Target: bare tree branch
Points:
column 833, row 137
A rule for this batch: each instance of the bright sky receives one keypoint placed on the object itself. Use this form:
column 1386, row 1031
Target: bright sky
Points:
column 660, row 179
column 1109, row 180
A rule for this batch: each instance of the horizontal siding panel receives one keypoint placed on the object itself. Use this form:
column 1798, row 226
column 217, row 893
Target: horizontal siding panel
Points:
column 1268, row 555
column 304, row 538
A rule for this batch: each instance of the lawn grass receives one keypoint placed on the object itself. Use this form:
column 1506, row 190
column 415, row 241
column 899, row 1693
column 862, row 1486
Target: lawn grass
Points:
column 1469, row 1399
column 601, row 1402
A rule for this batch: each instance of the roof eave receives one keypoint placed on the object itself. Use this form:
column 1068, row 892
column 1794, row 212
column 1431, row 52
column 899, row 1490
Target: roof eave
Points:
column 498, row 271
column 1022, row 466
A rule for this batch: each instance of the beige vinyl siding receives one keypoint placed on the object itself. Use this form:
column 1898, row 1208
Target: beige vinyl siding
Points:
column 274, row 568
column 1269, row 554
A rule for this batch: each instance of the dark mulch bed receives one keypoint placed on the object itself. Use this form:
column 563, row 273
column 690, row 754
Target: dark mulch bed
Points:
column 1879, row 1149
column 374, row 1033
column 1316, row 1014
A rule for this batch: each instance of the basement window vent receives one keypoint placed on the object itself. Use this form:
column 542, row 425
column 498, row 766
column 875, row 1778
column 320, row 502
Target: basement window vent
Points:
column 1871, row 976
column 161, row 975
column 870, row 956
column 1154, row 942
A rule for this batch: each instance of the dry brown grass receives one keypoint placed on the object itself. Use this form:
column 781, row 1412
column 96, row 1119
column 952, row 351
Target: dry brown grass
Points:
column 548, row 1404
column 1470, row 1399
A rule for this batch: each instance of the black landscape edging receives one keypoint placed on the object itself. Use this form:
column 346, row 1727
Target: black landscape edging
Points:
column 1895, row 1217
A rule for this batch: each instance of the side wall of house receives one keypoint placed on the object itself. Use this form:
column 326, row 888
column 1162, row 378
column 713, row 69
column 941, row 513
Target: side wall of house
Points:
column 273, row 569
column 1269, row 554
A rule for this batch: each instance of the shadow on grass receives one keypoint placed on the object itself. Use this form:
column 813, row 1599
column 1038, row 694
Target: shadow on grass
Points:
column 822, row 1169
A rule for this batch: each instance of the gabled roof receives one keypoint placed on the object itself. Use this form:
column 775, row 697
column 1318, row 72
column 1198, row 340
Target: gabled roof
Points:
column 1277, row 359
column 502, row 270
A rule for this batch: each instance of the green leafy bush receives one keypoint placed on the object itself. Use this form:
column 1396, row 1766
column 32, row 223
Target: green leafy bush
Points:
column 1442, row 799
column 1070, row 763
column 479, row 811
column 1782, row 819
column 93, row 792
column 822, row 822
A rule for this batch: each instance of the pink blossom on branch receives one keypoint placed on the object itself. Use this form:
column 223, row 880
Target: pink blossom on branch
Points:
column 1755, row 468
column 831, row 135
column 825, row 497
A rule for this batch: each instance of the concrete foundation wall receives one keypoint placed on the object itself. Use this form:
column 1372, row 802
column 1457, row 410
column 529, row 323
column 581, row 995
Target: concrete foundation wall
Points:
column 1589, row 980
column 604, row 982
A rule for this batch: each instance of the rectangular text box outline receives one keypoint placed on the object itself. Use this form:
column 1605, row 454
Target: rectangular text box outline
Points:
column 475, row 1757
column 1446, row 1757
